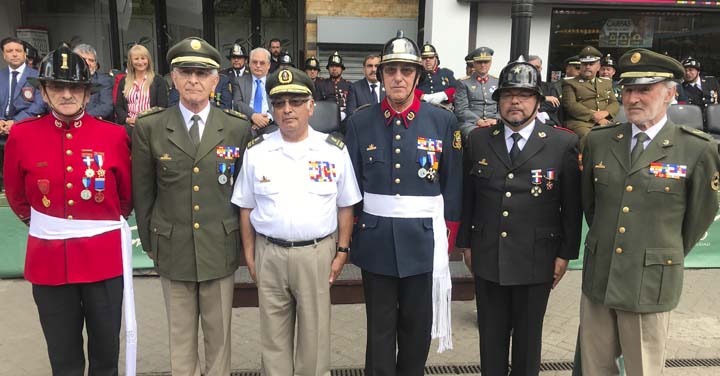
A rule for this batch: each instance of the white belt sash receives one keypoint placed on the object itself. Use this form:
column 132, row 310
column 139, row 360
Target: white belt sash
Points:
column 425, row 207
column 52, row 228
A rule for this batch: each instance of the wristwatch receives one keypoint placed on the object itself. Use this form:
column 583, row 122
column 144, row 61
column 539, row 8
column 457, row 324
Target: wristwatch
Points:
column 343, row 249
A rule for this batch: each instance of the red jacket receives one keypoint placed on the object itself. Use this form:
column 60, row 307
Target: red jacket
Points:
column 45, row 163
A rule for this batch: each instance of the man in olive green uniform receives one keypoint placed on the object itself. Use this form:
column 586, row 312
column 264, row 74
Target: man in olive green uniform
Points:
column 588, row 100
column 185, row 161
column 649, row 193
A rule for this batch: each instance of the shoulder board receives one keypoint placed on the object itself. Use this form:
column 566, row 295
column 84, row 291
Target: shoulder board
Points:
column 335, row 140
column 366, row 105
column 464, row 78
column 696, row 132
column 255, row 141
column 438, row 105
column 563, row 129
column 602, row 127
column 235, row 114
column 491, row 76
column 150, row 111
column 568, row 78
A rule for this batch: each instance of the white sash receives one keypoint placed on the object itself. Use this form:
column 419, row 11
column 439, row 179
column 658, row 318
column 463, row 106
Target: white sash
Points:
column 52, row 228
column 424, row 207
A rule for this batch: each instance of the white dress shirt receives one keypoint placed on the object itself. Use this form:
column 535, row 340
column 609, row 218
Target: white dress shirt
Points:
column 525, row 133
column 650, row 132
column 187, row 116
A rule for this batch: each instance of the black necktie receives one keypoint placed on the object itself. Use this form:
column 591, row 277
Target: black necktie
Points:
column 639, row 147
column 13, row 86
column 374, row 93
column 515, row 150
column 195, row 130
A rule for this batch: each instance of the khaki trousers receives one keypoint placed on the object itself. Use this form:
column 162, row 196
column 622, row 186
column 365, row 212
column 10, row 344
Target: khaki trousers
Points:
column 293, row 288
column 212, row 302
column 605, row 333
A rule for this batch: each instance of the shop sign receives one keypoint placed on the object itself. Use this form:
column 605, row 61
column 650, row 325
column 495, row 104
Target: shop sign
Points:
column 623, row 32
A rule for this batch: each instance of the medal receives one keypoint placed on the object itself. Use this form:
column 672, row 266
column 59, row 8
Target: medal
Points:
column 422, row 173
column 232, row 172
column 431, row 175
column 550, row 178
column 99, row 188
column 99, row 197
column 44, row 187
column 88, row 160
column 222, row 167
column 99, row 160
column 222, row 179
column 536, row 190
column 86, row 194
column 89, row 173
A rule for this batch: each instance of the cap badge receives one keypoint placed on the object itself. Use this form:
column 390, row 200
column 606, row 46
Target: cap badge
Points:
column 285, row 77
column 336, row 59
column 195, row 44
column 399, row 46
column 64, row 61
column 635, row 58
column 516, row 70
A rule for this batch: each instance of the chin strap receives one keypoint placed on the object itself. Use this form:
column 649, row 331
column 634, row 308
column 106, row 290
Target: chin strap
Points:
column 78, row 112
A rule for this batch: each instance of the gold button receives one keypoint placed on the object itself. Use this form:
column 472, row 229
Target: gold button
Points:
column 472, row 227
column 503, row 234
column 669, row 262
column 68, row 152
column 196, row 170
column 397, row 194
column 629, row 188
column 618, row 250
column 397, row 165
column 626, row 210
column 621, row 230
column 71, row 202
column 362, row 225
column 511, row 176
column 505, row 213
column 370, row 159
column 397, row 151
column 397, row 180
column 196, row 226
column 667, row 189
column 196, row 207
column 69, row 169
column 196, row 188
column 68, row 136
column 508, row 194
column 397, row 137
column 69, row 185
column 70, row 217
column 397, row 122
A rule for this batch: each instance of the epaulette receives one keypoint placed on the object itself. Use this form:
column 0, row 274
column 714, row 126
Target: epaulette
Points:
column 255, row 141
column 335, row 140
column 150, row 111
column 366, row 105
column 696, row 132
column 235, row 113
column 438, row 105
column 490, row 75
column 607, row 126
column 463, row 78
column 563, row 129
column 568, row 78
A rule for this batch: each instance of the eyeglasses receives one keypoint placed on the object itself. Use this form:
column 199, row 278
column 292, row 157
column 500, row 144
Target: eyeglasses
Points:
column 391, row 70
column 294, row 102
column 522, row 97
column 199, row 73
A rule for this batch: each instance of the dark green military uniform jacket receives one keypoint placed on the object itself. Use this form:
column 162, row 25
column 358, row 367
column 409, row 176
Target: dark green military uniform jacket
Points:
column 581, row 98
column 645, row 218
column 184, row 216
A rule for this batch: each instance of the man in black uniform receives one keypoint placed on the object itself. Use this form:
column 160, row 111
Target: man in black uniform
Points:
column 237, row 57
column 312, row 68
column 607, row 70
column 700, row 91
column 437, row 84
column 521, row 219
column 334, row 88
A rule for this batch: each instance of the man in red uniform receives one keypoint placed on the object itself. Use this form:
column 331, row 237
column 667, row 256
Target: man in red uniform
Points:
column 67, row 176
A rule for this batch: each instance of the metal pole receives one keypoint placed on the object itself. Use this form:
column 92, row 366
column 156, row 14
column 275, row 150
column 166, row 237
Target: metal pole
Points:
column 521, row 14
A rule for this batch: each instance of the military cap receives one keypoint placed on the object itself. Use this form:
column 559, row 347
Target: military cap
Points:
column 64, row 66
column 483, row 54
column 607, row 61
column 194, row 52
column 236, row 51
column 428, row 50
column 286, row 59
column 400, row 49
column 312, row 63
column 589, row 54
column 572, row 60
column 691, row 62
column 336, row 60
column 289, row 80
column 469, row 58
column 643, row 67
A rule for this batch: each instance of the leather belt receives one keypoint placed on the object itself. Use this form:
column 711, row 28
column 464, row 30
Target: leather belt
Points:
column 292, row 244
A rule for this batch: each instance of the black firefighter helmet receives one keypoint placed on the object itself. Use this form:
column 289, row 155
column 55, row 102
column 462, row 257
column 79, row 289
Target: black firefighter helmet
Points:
column 519, row 75
column 399, row 50
column 63, row 65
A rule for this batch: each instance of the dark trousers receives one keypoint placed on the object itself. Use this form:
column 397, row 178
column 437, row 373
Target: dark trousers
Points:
column 399, row 311
column 63, row 311
column 505, row 311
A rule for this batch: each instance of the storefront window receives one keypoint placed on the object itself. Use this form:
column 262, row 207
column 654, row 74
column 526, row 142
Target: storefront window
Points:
column 676, row 33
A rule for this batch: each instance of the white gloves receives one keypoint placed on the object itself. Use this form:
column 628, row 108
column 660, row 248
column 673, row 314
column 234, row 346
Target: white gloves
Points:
column 435, row 98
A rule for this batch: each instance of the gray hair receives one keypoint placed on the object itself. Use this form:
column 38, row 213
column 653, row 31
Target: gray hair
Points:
column 85, row 49
column 261, row 50
column 534, row 57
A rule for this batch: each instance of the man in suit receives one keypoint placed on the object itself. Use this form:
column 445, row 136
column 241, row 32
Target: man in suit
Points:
column 474, row 106
column 18, row 98
column 334, row 88
column 588, row 100
column 101, row 103
column 649, row 193
column 367, row 90
column 185, row 160
column 249, row 96
column 237, row 59
column 522, row 223
column 275, row 48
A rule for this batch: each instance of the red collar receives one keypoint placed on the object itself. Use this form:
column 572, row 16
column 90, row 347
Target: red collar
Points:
column 406, row 116
column 483, row 79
